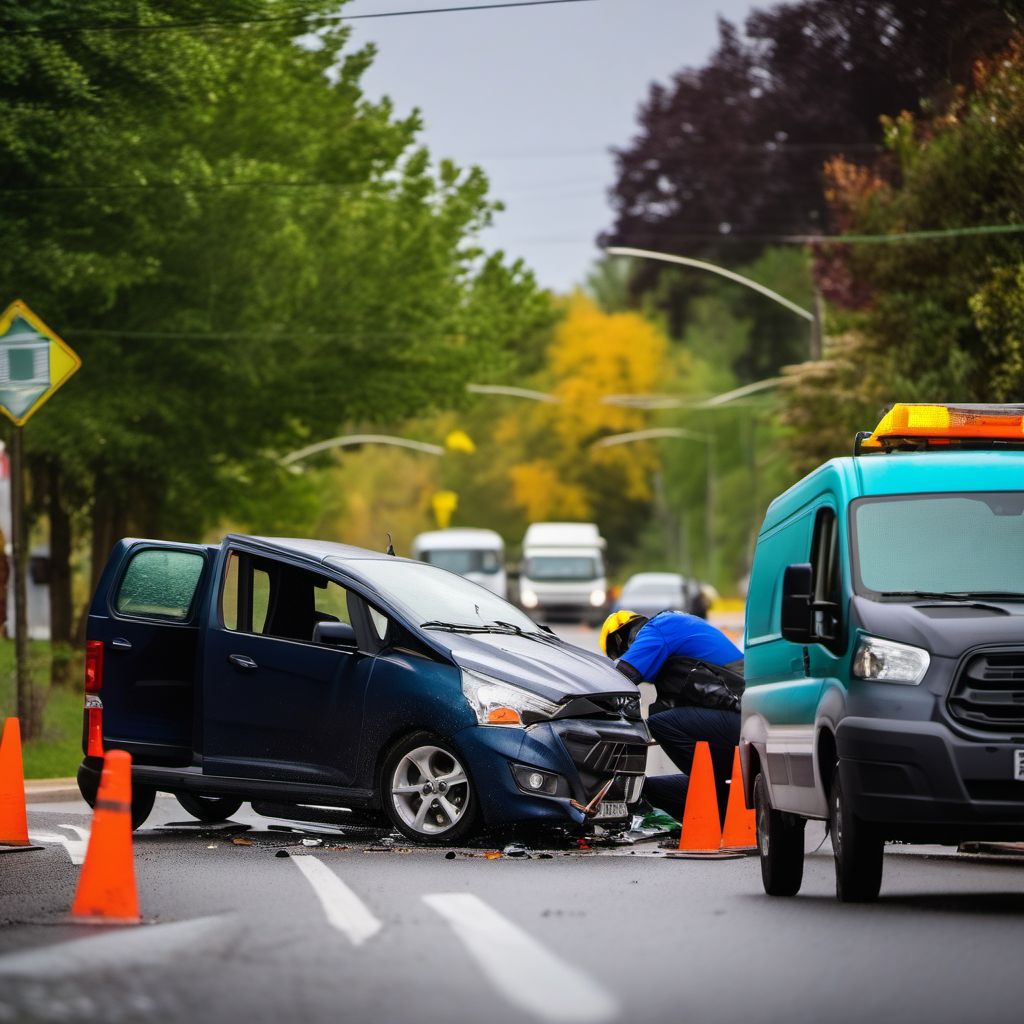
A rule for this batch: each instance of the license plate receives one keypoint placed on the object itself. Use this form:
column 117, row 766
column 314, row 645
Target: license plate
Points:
column 1018, row 765
column 617, row 808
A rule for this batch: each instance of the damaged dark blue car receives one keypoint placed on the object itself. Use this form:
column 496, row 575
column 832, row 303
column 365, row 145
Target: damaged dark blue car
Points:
column 312, row 679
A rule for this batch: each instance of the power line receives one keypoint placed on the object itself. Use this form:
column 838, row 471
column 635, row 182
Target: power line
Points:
column 184, row 26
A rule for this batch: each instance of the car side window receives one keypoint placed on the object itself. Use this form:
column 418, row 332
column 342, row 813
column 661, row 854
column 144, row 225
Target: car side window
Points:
column 271, row 598
column 825, row 575
column 160, row 583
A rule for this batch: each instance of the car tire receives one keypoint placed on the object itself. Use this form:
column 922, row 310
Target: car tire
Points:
column 858, row 848
column 208, row 808
column 780, row 844
column 427, row 792
column 143, row 798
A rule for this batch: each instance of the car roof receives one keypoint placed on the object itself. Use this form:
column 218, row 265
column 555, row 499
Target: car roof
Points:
column 657, row 578
column 316, row 550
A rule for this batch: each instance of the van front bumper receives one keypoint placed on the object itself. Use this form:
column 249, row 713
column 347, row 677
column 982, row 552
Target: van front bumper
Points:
column 922, row 782
column 583, row 753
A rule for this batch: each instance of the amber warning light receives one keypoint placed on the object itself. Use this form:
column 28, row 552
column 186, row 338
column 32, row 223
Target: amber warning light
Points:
column 935, row 426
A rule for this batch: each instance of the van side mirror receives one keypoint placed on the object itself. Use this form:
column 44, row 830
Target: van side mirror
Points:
column 335, row 634
column 796, row 603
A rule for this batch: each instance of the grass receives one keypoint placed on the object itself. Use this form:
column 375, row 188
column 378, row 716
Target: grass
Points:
column 58, row 752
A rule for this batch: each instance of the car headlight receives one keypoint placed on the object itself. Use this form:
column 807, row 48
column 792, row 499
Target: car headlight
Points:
column 528, row 598
column 889, row 662
column 498, row 703
column 597, row 598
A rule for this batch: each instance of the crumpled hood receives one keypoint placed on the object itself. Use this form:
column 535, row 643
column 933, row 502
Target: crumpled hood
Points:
column 553, row 670
column 946, row 630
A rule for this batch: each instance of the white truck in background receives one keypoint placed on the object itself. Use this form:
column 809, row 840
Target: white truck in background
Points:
column 479, row 555
column 563, row 573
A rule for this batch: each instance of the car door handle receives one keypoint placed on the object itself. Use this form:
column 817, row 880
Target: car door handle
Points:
column 242, row 661
column 120, row 644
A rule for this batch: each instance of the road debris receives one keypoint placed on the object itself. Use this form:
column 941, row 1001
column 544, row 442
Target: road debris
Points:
column 282, row 853
column 517, row 850
column 492, row 854
column 241, row 841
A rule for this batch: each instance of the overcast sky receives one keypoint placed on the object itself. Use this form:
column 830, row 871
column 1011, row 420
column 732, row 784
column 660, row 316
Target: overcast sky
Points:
column 537, row 96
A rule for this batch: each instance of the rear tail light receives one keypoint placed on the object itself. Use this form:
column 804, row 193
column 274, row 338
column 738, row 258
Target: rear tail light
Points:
column 93, row 666
column 93, row 704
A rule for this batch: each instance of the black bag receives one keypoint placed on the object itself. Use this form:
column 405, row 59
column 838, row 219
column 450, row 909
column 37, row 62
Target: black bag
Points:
column 686, row 682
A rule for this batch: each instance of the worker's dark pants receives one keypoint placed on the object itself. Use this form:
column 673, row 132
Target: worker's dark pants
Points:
column 679, row 730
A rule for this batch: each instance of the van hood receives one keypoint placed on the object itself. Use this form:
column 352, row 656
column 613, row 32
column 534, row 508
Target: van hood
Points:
column 551, row 668
column 947, row 629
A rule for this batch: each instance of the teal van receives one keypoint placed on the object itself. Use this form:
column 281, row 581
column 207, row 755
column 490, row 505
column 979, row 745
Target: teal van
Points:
column 885, row 647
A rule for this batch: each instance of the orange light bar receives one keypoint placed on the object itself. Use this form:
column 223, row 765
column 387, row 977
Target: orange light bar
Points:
column 504, row 716
column 942, row 423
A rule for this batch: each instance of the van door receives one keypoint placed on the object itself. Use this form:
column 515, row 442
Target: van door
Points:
column 146, row 614
column 277, row 704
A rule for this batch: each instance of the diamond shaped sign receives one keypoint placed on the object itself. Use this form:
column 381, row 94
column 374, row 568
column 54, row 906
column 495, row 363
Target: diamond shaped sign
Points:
column 34, row 362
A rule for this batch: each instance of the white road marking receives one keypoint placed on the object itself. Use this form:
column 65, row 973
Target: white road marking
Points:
column 127, row 947
column 344, row 909
column 76, row 847
column 524, row 971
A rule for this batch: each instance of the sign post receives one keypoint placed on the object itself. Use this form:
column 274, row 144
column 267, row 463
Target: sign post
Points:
column 34, row 363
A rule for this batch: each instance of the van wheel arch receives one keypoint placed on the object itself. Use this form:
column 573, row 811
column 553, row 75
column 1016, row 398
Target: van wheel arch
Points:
column 828, row 759
column 753, row 769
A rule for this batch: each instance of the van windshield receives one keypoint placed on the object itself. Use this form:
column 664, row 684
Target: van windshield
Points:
column 431, row 594
column 562, row 568
column 463, row 560
column 957, row 544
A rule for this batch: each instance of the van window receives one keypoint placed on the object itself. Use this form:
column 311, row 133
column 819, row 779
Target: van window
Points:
column 160, row 583
column 463, row 560
column 940, row 543
column 825, row 576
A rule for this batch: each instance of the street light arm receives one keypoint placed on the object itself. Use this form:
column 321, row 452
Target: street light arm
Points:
column 652, row 434
column 687, row 261
column 502, row 389
column 349, row 440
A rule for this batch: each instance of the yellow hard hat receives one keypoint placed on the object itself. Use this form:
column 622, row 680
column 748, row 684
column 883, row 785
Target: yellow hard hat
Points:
column 614, row 621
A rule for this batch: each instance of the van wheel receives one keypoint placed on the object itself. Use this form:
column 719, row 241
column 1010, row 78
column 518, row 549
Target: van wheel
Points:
column 426, row 791
column 208, row 808
column 858, row 848
column 143, row 798
column 780, row 843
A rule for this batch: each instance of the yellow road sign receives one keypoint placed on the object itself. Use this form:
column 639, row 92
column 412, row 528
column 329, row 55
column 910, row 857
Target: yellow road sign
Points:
column 34, row 362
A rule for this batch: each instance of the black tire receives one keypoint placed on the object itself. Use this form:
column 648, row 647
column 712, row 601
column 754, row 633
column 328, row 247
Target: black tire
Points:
column 858, row 848
column 446, row 797
column 208, row 808
column 143, row 798
column 780, row 843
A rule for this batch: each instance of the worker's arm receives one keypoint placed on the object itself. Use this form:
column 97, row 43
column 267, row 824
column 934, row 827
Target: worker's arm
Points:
column 645, row 655
column 629, row 672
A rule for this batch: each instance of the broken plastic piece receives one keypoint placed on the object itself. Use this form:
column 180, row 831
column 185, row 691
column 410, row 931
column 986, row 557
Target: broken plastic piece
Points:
column 516, row 850
column 281, row 853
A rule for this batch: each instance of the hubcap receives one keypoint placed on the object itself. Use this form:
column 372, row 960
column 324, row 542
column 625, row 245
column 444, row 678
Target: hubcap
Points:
column 430, row 790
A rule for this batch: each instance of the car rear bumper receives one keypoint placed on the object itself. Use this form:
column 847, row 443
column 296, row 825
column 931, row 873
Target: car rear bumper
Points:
column 923, row 782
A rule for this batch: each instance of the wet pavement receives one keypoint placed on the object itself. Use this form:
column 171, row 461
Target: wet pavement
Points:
column 259, row 920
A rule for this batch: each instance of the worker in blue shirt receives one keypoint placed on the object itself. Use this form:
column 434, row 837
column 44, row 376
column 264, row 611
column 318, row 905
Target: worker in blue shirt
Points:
column 698, row 674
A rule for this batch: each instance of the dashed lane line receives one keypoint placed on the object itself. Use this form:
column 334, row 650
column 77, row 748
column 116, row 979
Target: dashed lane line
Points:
column 76, row 847
column 524, row 971
column 344, row 909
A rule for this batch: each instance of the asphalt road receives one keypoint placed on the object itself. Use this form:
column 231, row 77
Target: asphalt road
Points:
column 358, row 929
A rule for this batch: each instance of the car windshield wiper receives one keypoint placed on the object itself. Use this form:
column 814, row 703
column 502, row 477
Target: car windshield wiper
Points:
column 501, row 628
column 533, row 634
column 456, row 627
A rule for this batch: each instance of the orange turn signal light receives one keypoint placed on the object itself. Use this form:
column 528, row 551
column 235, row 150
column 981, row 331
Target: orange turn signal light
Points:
column 504, row 716
column 942, row 423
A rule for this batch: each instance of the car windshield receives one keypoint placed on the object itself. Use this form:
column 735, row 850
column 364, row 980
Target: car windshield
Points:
column 653, row 592
column 562, row 568
column 958, row 544
column 463, row 560
column 430, row 594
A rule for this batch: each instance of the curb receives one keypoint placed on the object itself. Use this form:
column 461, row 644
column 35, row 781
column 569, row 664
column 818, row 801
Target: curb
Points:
column 42, row 791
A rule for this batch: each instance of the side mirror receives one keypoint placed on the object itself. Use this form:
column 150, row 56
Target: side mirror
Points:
column 796, row 604
column 335, row 634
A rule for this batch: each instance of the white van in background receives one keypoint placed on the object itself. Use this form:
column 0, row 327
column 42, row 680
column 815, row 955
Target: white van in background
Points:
column 563, row 571
column 479, row 555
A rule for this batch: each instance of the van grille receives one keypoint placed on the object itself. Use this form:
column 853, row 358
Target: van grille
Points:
column 989, row 692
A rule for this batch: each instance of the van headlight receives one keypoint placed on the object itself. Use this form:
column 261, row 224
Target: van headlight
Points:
column 528, row 599
column 886, row 661
column 498, row 703
column 597, row 598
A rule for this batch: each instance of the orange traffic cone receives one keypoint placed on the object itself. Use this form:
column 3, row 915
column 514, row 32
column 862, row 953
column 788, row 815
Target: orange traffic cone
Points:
column 13, row 818
column 106, row 888
column 701, row 836
column 740, row 833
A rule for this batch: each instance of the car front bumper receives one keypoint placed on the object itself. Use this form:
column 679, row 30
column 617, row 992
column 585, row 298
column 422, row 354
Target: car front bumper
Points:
column 585, row 753
column 923, row 782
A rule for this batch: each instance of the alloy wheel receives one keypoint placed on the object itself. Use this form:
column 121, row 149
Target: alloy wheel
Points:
column 430, row 790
